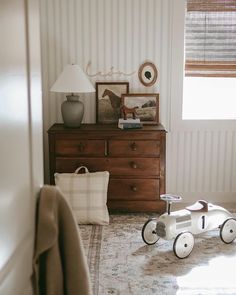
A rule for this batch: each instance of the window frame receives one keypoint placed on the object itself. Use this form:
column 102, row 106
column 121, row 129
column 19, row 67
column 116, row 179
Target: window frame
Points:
column 177, row 79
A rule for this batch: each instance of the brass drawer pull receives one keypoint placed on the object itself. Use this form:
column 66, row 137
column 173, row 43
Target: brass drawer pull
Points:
column 133, row 165
column 134, row 188
column 81, row 147
column 133, row 146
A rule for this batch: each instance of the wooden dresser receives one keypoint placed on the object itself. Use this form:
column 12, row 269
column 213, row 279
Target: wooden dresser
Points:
column 135, row 159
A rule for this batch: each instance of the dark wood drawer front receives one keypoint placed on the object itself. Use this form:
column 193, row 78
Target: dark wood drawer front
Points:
column 134, row 166
column 116, row 166
column 136, row 206
column 133, row 189
column 134, row 148
column 71, row 164
column 80, row 147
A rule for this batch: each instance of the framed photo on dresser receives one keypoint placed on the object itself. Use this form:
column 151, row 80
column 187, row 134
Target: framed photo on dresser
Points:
column 108, row 101
column 146, row 106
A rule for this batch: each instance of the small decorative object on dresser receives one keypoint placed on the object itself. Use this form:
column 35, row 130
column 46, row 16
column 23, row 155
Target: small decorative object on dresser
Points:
column 129, row 124
column 135, row 159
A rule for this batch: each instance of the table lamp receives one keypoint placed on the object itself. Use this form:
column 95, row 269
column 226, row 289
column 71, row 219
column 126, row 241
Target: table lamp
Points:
column 72, row 80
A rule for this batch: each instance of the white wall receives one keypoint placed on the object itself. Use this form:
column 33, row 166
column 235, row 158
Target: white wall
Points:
column 123, row 34
column 21, row 149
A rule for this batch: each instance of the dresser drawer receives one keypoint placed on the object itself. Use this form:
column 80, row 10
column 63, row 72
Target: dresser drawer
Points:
column 80, row 147
column 134, row 148
column 134, row 166
column 136, row 206
column 133, row 189
column 71, row 164
column 116, row 166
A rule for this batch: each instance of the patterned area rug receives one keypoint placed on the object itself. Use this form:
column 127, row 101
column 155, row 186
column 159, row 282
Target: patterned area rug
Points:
column 120, row 262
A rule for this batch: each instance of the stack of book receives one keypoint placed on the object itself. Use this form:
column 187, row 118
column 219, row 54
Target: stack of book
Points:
column 129, row 124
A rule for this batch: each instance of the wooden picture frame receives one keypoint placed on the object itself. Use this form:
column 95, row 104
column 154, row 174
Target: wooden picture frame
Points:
column 147, row 74
column 146, row 106
column 108, row 101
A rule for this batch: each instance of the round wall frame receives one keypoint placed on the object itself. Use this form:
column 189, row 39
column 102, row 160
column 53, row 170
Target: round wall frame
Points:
column 147, row 74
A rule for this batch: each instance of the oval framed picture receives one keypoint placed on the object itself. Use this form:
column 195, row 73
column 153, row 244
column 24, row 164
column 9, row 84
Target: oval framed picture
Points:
column 147, row 74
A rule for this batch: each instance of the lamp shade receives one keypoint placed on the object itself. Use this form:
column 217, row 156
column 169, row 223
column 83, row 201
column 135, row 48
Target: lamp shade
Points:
column 72, row 80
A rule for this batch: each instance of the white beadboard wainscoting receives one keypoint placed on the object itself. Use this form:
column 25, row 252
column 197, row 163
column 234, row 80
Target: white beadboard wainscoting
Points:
column 202, row 165
column 118, row 36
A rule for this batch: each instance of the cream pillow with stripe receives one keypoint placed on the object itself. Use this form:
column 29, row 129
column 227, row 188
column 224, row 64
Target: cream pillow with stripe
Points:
column 87, row 195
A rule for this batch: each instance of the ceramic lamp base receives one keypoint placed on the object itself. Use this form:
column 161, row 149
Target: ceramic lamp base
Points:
column 72, row 111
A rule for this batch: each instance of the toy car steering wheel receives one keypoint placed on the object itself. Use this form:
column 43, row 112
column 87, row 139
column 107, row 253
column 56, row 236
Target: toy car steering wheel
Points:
column 168, row 198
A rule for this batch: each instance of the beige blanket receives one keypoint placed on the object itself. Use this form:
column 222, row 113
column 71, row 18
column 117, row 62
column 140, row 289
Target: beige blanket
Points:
column 60, row 266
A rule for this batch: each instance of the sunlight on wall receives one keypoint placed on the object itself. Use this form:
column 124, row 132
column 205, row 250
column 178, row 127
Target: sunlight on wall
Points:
column 14, row 106
column 206, row 98
column 218, row 277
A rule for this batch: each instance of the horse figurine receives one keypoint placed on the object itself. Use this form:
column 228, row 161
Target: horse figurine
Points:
column 125, row 111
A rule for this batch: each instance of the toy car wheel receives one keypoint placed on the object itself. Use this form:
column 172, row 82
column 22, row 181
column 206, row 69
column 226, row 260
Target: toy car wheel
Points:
column 183, row 245
column 149, row 234
column 228, row 231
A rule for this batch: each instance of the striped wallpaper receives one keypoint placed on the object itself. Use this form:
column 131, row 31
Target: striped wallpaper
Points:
column 116, row 35
column 119, row 35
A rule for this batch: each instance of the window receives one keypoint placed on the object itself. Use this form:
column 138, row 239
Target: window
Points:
column 210, row 60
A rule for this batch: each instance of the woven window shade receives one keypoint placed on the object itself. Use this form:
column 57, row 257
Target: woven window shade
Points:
column 210, row 38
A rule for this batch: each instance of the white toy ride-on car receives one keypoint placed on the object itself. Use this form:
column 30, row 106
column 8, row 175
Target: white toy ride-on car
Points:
column 181, row 225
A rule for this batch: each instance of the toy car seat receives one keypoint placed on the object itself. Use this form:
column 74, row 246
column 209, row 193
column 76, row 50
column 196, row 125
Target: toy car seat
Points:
column 200, row 206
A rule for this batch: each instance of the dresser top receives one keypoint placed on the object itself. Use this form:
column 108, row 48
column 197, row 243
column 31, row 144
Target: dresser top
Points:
column 60, row 128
